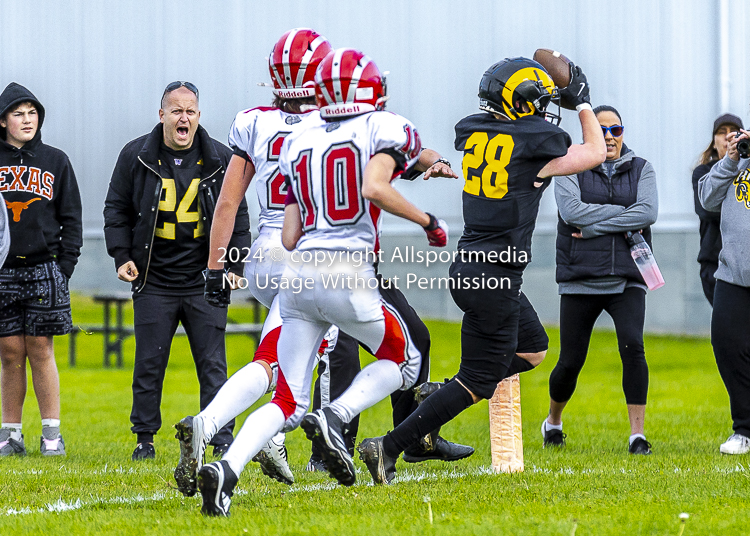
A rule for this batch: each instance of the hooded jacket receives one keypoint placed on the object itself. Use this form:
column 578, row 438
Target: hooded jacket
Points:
column 41, row 195
column 130, row 209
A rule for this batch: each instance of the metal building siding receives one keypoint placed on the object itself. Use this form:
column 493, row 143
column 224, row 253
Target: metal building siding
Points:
column 100, row 66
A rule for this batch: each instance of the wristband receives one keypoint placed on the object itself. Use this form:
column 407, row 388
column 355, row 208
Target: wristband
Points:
column 584, row 106
column 441, row 161
column 433, row 223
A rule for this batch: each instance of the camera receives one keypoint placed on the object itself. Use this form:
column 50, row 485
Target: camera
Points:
column 743, row 148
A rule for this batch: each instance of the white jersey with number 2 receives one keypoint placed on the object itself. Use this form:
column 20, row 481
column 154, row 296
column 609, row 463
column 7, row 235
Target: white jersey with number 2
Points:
column 325, row 165
column 257, row 135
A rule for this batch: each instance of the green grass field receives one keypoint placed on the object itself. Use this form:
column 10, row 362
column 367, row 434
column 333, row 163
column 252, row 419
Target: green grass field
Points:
column 592, row 486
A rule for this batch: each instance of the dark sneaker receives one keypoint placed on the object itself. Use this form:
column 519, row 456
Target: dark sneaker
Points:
column 10, row 446
column 216, row 482
column 325, row 430
column 552, row 437
column 273, row 460
column 144, row 451
column 444, row 451
column 220, row 450
column 316, row 464
column 51, row 442
column 192, row 447
column 640, row 446
column 381, row 466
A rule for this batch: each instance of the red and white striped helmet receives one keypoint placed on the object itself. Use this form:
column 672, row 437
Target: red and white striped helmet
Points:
column 293, row 61
column 348, row 83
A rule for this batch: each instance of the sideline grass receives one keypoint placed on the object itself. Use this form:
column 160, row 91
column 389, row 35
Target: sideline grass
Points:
column 591, row 487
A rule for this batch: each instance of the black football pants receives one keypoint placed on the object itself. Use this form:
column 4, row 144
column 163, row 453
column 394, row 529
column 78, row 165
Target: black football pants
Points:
column 730, row 337
column 578, row 314
column 156, row 320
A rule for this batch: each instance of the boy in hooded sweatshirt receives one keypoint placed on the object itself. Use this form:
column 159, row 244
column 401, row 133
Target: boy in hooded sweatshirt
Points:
column 44, row 218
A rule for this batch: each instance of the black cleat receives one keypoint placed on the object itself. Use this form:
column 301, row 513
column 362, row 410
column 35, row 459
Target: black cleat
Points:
column 381, row 466
column 144, row 451
column 444, row 451
column 220, row 450
column 640, row 446
column 216, row 482
column 552, row 437
column 192, row 446
column 316, row 464
column 325, row 430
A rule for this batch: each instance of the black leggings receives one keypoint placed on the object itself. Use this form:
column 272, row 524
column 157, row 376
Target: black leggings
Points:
column 730, row 337
column 578, row 313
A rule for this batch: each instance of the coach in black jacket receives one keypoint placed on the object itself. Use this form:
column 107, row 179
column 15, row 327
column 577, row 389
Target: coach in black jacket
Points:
column 157, row 220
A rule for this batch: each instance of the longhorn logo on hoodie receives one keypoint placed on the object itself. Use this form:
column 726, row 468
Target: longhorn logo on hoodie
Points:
column 742, row 188
column 35, row 182
column 19, row 206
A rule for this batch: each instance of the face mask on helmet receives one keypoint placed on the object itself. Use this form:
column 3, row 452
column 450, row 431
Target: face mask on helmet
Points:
column 348, row 83
column 293, row 61
column 516, row 88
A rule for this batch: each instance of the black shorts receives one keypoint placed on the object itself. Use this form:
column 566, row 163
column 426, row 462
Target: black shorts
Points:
column 34, row 301
column 497, row 324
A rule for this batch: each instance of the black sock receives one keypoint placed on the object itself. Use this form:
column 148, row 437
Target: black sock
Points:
column 145, row 437
column 436, row 410
column 518, row 365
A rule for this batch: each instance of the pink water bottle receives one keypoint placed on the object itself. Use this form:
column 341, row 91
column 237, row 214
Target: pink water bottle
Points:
column 644, row 260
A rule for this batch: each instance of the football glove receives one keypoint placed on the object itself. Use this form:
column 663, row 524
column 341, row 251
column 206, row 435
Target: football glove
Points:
column 215, row 292
column 437, row 232
column 577, row 91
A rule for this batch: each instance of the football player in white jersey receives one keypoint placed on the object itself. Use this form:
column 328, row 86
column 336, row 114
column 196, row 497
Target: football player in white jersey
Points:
column 256, row 137
column 341, row 171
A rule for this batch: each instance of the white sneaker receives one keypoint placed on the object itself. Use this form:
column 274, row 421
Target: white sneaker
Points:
column 736, row 444
column 273, row 460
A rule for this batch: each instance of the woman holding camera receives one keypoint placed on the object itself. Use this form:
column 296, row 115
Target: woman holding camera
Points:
column 708, row 257
column 726, row 188
column 596, row 273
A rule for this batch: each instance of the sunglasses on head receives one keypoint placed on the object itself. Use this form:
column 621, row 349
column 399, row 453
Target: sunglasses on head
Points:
column 177, row 85
column 615, row 130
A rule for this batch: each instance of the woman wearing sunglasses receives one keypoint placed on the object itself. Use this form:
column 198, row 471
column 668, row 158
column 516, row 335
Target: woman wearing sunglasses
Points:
column 596, row 273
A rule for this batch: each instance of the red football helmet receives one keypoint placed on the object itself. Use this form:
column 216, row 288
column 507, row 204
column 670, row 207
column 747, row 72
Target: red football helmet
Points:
column 293, row 61
column 348, row 83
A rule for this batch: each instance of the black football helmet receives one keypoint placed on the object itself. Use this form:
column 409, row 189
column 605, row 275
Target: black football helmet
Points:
column 509, row 84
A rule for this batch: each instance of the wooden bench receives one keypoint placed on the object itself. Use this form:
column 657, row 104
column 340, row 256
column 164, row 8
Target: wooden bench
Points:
column 115, row 332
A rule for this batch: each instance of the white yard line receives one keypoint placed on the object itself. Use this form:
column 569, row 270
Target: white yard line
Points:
column 408, row 475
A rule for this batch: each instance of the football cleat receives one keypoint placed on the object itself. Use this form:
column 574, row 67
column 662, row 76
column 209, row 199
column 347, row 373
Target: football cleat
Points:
column 192, row 448
column 736, row 444
column 325, row 430
column 143, row 451
column 552, row 437
column 443, row 451
column 640, row 446
column 51, row 442
column 381, row 466
column 273, row 460
column 316, row 464
column 216, row 482
column 10, row 446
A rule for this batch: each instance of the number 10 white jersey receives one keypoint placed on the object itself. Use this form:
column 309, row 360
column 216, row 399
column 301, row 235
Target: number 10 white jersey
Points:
column 257, row 135
column 325, row 165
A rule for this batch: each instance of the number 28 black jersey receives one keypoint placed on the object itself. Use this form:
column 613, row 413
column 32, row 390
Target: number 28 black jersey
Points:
column 500, row 165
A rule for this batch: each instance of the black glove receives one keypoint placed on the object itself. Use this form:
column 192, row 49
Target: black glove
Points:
column 577, row 91
column 217, row 291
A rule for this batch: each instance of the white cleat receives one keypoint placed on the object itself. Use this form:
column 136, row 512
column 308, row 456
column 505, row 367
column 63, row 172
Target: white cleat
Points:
column 736, row 444
column 273, row 460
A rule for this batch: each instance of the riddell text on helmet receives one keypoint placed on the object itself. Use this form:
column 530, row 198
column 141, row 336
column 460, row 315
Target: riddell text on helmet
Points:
column 295, row 93
column 344, row 110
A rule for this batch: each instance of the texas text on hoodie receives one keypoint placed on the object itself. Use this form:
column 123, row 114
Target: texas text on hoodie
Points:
column 41, row 195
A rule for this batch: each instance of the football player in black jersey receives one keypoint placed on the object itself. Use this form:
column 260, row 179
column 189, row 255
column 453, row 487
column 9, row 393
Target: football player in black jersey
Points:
column 511, row 152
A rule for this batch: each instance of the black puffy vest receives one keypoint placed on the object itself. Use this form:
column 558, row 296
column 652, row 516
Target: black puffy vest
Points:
column 608, row 254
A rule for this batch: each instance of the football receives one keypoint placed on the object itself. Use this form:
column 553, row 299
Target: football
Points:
column 557, row 65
